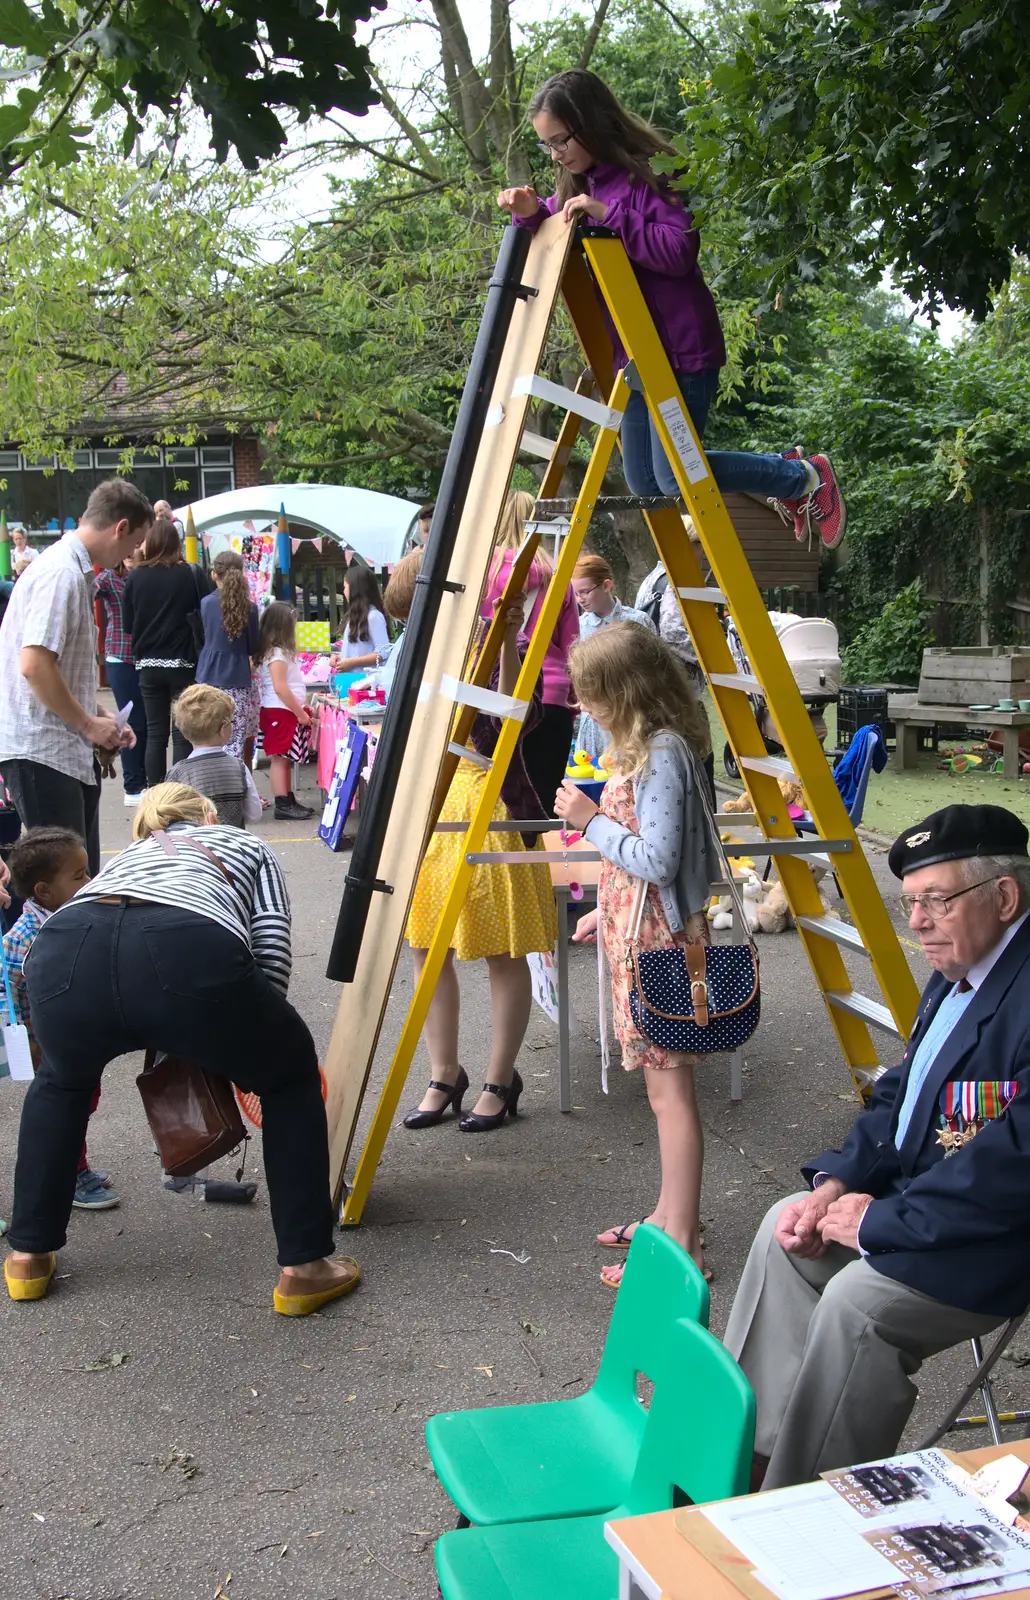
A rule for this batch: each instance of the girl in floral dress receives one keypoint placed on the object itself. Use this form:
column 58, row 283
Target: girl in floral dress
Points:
column 653, row 823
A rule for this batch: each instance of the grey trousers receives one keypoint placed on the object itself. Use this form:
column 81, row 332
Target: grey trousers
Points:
column 830, row 1347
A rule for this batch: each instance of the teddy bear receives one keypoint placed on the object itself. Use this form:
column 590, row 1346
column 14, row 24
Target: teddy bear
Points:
column 791, row 790
column 765, row 907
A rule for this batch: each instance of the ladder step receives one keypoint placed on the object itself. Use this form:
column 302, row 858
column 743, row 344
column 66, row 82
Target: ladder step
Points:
column 860, row 1005
column 704, row 592
column 832, row 928
column 467, row 754
column 746, row 681
column 608, row 502
column 773, row 766
column 867, row 1076
column 556, row 394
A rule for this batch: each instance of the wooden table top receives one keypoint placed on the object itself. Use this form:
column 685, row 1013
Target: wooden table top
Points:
column 683, row 1573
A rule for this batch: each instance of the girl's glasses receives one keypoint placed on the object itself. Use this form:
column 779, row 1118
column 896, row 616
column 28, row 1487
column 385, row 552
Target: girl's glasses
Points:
column 557, row 146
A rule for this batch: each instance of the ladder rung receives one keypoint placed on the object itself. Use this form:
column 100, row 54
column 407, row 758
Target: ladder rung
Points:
column 860, row 1005
column 774, row 766
column 867, row 1076
column 815, row 849
column 468, row 754
column 704, row 592
column 609, row 502
column 736, row 680
column 534, row 444
column 511, row 858
column 832, row 928
column 556, row 394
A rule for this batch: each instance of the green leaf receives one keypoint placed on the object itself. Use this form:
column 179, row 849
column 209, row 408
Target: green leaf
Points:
column 21, row 28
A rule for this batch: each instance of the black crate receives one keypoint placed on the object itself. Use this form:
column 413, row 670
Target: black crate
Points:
column 859, row 706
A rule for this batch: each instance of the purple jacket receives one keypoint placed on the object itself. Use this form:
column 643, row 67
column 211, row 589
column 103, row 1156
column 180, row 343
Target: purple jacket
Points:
column 663, row 244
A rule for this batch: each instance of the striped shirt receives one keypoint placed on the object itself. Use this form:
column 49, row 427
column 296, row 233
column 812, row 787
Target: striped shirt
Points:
column 51, row 607
column 255, row 906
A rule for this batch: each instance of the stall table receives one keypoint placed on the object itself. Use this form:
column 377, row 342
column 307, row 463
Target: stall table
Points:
column 909, row 715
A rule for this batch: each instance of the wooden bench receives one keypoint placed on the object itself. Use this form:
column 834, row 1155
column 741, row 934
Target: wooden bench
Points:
column 909, row 716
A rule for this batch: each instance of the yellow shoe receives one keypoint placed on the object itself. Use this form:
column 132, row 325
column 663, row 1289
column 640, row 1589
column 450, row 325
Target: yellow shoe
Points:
column 297, row 1296
column 23, row 1278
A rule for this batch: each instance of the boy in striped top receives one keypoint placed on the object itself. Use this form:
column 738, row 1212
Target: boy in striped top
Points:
column 203, row 715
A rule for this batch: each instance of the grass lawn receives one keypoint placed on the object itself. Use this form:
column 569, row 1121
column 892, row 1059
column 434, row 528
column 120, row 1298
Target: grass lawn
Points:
column 896, row 799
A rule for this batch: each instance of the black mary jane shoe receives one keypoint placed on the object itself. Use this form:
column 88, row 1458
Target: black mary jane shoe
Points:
column 455, row 1095
column 475, row 1122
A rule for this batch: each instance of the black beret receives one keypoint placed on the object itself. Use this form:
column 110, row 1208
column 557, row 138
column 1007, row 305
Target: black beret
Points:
column 956, row 834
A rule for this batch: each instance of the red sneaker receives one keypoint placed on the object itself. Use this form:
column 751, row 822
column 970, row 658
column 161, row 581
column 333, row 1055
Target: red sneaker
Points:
column 826, row 507
column 793, row 512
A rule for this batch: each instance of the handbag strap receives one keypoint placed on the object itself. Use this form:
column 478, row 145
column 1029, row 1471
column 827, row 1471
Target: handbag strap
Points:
column 170, row 848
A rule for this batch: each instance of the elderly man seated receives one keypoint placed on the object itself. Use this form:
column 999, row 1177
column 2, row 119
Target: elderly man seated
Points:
column 916, row 1234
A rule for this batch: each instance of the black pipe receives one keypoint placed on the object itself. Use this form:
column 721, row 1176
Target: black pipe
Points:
column 361, row 881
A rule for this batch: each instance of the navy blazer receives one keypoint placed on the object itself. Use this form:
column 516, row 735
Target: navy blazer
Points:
column 955, row 1228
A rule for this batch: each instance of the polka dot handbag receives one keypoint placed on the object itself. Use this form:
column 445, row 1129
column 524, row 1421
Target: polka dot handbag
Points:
column 698, row 999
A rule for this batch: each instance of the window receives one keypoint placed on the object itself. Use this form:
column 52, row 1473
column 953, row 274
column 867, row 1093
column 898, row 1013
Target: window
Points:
column 112, row 459
column 216, row 455
column 38, row 463
column 10, row 461
column 217, row 480
column 180, row 457
column 81, row 459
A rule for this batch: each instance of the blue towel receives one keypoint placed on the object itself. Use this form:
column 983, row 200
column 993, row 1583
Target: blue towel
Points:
column 847, row 774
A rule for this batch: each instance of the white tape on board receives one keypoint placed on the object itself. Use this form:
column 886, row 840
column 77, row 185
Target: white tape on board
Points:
column 495, row 705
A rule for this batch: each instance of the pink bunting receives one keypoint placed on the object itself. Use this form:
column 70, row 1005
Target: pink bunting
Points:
column 295, row 545
column 348, row 555
column 205, row 539
column 391, row 566
column 318, row 545
column 249, row 526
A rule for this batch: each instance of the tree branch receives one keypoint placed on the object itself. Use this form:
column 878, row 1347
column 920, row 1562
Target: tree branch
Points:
column 432, row 167
column 594, row 34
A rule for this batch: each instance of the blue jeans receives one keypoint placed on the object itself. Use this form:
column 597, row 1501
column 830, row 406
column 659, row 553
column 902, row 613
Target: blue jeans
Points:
column 647, row 467
column 124, row 681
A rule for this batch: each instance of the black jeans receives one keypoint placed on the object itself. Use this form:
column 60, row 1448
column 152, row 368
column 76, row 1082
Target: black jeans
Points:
column 125, row 686
column 107, row 979
column 161, row 687
column 545, row 752
column 44, row 797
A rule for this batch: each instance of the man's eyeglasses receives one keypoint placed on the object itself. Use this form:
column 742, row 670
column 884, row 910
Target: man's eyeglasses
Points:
column 936, row 906
column 557, row 146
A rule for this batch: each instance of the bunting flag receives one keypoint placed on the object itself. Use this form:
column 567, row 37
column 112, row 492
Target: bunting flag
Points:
column 391, row 567
column 295, row 545
column 205, row 539
column 249, row 526
column 348, row 555
column 318, row 545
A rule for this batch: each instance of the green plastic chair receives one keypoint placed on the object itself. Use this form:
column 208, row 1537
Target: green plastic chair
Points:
column 570, row 1458
column 697, row 1446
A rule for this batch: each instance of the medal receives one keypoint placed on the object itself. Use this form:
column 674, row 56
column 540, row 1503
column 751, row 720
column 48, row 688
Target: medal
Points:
column 967, row 1106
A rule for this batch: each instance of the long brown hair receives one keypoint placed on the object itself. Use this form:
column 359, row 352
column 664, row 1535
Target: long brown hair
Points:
column 518, row 508
column 363, row 596
column 161, row 548
column 601, row 125
column 277, row 630
column 630, row 680
column 233, row 592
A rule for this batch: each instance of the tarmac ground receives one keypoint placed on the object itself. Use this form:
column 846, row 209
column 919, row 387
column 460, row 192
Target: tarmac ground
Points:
column 166, row 1436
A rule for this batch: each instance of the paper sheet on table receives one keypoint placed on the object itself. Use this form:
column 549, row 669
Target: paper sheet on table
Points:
column 902, row 1523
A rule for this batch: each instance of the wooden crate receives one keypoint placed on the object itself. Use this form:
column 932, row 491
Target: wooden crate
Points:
column 977, row 675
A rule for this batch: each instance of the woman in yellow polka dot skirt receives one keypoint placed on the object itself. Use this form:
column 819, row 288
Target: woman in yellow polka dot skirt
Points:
column 508, row 913
column 652, row 825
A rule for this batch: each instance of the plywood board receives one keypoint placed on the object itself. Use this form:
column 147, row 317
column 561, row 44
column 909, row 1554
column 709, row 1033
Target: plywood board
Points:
column 363, row 1002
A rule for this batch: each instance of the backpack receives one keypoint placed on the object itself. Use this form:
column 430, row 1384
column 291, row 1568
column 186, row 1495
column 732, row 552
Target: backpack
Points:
column 653, row 607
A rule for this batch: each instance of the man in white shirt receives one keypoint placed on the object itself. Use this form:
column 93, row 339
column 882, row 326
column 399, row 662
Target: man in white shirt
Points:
column 50, row 721
column 915, row 1235
column 22, row 553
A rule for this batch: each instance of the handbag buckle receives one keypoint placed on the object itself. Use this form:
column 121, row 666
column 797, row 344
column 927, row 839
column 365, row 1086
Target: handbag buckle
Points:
column 698, row 984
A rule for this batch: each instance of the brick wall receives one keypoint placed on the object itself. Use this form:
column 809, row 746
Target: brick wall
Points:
column 247, row 461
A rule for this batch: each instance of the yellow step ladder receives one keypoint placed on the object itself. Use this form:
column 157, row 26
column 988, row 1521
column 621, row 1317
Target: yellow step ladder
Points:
column 601, row 267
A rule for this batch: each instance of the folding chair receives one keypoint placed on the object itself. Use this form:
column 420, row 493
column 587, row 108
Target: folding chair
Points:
column 993, row 1419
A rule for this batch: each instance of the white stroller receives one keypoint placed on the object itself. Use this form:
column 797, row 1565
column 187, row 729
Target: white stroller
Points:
column 811, row 647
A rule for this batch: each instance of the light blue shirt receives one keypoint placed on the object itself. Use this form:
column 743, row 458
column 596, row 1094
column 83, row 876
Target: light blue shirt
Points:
column 946, row 1017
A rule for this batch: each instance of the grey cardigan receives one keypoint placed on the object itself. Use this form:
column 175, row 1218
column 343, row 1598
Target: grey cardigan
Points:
column 676, row 847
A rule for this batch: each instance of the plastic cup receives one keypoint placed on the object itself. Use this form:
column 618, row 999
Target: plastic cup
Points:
column 1024, row 705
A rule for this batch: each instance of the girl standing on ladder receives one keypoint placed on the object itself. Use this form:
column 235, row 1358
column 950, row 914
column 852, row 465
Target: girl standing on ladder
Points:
column 651, row 825
column 603, row 154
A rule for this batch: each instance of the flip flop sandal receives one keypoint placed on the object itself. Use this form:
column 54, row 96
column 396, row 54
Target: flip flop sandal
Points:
column 620, row 1241
column 612, row 1283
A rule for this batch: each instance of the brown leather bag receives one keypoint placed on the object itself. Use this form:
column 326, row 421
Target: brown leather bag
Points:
column 193, row 1114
